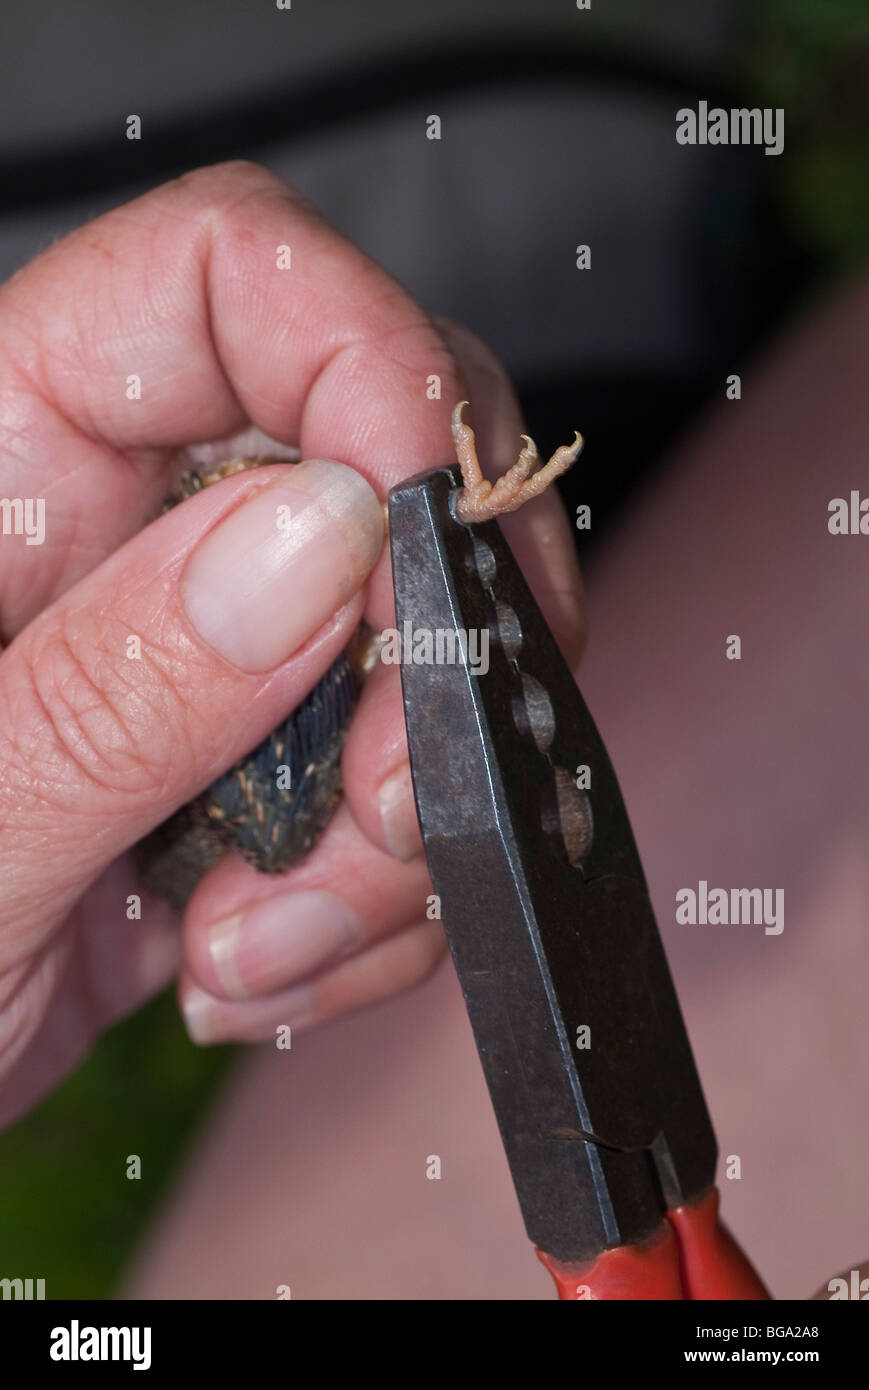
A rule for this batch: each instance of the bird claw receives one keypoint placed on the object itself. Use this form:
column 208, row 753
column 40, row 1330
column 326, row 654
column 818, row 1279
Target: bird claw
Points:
column 479, row 500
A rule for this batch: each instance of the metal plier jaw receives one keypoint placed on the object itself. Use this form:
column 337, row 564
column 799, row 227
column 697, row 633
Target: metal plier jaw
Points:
column 542, row 896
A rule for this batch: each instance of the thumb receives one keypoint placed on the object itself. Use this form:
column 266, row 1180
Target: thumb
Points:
column 164, row 666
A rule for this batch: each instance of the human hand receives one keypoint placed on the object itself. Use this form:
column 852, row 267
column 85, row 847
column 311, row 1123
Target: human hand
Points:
column 181, row 290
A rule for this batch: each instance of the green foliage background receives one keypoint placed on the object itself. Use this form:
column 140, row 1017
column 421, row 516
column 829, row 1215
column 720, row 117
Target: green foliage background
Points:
column 68, row 1212
column 811, row 57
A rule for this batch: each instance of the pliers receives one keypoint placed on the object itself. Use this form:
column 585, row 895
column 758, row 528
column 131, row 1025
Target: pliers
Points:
column 545, row 906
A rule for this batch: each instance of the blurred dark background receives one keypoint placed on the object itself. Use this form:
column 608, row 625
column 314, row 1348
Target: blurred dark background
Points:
column 558, row 129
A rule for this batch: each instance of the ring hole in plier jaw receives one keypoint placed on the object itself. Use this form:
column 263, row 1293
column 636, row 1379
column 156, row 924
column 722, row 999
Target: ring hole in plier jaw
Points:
column 533, row 714
column 508, row 630
column 567, row 818
column 480, row 560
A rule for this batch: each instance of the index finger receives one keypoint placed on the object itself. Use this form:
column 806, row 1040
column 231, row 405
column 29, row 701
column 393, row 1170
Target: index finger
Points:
column 220, row 297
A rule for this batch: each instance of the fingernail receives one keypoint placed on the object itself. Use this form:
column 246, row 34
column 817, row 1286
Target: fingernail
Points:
column 277, row 568
column 210, row 1021
column 280, row 940
column 200, row 1015
column 398, row 815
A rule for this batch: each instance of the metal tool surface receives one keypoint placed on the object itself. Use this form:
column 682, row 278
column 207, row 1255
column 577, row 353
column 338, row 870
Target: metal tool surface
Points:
column 543, row 897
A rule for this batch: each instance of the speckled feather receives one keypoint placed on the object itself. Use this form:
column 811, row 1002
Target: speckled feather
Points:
column 273, row 827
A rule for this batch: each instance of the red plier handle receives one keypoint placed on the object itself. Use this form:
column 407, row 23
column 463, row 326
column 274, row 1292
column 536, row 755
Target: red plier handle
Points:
column 692, row 1257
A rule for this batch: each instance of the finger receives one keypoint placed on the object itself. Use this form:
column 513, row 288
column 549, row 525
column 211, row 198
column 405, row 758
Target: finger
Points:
column 376, row 768
column 375, row 763
column 222, row 297
column 160, row 669
column 399, row 963
column 248, row 934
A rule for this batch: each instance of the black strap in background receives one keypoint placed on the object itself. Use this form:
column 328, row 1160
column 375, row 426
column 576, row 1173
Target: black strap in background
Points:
column 353, row 93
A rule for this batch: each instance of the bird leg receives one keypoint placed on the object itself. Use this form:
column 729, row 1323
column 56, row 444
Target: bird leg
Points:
column 479, row 500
